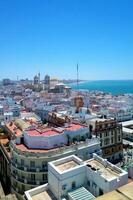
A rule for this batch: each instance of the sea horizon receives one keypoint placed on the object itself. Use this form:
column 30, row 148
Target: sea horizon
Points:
column 115, row 87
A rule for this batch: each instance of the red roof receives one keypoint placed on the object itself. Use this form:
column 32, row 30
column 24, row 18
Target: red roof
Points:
column 49, row 132
column 43, row 133
column 23, row 148
column 75, row 127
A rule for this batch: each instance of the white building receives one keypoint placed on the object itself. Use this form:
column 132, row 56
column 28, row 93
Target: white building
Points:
column 127, row 128
column 103, row 177
column 74, row 179
column 31, row 152
column 8, row 117
column 84, row 114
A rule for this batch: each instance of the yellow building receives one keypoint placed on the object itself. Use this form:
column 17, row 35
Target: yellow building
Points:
column 110, row 133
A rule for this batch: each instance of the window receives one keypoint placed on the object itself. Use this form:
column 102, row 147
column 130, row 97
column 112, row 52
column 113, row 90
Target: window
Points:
column 22, row 162
column 44, row 177
column 64, row 187
column 73, row 185
column 32, row 164
column 33, row 177
column 112, row 140
column 119, row 138
column 106, row 141
column 106, row 134
column 100, row 127
column 15, row 160
column 88, row 183
column 44, row 166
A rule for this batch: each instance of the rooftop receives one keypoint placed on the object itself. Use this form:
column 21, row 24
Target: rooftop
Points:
column 67, row 165
column 127, row 190
column 13, row 128
column 23, row 148
column 127, row 123
column 22, row 124
column 105, row 170
column 46, row 132
column 112, row 196
column 5, row 146
column 75, row 127
column 45, row 195
column 123, row 193
column 102, row 120
column 56, row 150
column 127, row 130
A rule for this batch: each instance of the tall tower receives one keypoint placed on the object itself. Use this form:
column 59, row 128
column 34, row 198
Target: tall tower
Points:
column 47, row 82
column 77, row 76
column 39, row 76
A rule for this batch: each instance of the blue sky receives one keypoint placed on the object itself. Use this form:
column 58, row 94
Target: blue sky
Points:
column 51, row 36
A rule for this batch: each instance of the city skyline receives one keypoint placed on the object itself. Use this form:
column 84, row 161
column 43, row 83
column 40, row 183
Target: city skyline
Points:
column 51, row 37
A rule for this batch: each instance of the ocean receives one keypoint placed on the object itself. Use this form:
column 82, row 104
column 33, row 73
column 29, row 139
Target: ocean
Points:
column 114, row 87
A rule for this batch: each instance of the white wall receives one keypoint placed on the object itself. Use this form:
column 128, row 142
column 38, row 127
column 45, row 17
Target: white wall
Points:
column 57, row 180
column 102, row 183
column 41, row 142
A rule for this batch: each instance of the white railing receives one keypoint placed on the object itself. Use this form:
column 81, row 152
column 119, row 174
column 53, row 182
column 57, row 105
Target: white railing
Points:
column 58, row 151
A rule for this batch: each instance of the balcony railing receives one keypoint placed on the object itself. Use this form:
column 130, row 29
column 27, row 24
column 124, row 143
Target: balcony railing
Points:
column 28, row 181
column 28, row 169
column 17, row 190
column 57, row 151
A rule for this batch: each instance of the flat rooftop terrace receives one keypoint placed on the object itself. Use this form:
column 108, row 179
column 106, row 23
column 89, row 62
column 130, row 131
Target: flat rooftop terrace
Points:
column 127, row 123
column 106, row 172
column 13, row 128
column 123, row 193
column 127, row 190
column 24, row 148
column 45, row 195
column 67, row 165
column 46, row 132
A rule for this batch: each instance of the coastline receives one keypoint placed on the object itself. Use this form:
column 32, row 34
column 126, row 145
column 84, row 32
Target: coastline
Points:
column 115, row 87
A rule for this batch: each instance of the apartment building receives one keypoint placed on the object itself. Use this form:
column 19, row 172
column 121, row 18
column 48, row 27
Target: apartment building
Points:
column 31, row 152
column 74, row 179
column 110, row 133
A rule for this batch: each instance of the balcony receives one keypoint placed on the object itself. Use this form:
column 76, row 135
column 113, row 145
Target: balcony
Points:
column 28, row 181
column 27, row 168
column 55, row 152
column 17, row 190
